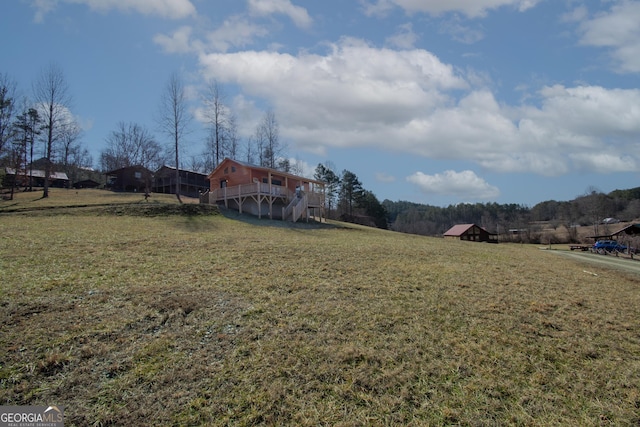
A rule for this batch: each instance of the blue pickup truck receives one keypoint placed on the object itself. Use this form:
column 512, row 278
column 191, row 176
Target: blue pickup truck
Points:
column 602, row 246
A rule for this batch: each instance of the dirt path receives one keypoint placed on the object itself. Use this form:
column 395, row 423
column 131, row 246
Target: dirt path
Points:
column 608, row 261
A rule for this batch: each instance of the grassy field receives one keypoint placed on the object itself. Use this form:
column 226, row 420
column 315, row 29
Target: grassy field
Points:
column 128, row 319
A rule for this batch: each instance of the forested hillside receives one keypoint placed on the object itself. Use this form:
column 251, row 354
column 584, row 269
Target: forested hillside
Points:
column 590, row 209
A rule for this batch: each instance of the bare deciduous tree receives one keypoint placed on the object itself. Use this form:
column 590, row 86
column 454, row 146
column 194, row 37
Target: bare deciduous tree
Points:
column 51, row 95
column 7, row 108
column 220, row 121
column 131, row 145
column 70, row 140
column 269, row 147
column 250, row 150
column 174, row 119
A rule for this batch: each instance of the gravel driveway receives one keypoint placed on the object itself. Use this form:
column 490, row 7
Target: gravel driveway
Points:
column 607, row 261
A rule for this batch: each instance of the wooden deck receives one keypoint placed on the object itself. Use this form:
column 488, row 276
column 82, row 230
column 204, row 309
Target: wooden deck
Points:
column 294, row 205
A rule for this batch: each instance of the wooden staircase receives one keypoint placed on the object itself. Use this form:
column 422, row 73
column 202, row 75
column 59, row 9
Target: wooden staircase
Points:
column 296, row 207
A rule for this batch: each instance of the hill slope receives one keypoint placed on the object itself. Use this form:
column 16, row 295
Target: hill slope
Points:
column 187, row 320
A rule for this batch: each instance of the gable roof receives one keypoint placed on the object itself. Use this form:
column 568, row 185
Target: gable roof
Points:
column 133, row 167
column 227, row 160
column 630, row 229
column 459, row 229
column 36, row 173
column 173, row 168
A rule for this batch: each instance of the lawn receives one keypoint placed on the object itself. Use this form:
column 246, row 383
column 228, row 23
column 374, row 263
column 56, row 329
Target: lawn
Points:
column 128, row 319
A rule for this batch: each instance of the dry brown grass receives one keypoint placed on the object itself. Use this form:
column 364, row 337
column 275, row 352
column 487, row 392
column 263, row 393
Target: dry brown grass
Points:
column 176, row 320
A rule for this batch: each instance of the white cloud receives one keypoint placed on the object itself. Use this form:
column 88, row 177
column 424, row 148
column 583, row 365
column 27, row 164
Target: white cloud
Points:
column 408, row 101
column 42, row 7
column 174, row 9
column 385, row 177
column 297, row 14
column 405, row 38
column 470, row 8
column 604, row 163
column 235, row 32
column 461, row 33
column 618, row 30
column 578, row 14
column 464, row 185
column 178, row 42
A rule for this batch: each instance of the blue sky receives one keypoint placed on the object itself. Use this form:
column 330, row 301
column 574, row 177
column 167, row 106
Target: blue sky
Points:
column 431, row 101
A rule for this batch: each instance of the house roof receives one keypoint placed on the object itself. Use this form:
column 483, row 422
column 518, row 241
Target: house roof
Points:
column 134, row 167
column 632, row 229
column 173, row 168
column 261, row 168
column 459, row 229
column 88, row 181
column 36, row 173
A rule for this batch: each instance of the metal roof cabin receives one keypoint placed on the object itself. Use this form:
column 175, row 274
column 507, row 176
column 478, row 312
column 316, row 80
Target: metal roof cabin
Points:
column 470, row 232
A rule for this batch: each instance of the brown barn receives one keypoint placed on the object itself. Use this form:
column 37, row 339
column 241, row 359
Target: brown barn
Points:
column 470, row 232
column 263, row 191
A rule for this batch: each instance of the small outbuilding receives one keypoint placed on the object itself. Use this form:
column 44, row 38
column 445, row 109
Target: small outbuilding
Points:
column 630, row 231
column 470, row 232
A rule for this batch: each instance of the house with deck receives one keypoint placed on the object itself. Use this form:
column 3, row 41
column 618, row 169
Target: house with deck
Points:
column 192, row 184
column 263, row 191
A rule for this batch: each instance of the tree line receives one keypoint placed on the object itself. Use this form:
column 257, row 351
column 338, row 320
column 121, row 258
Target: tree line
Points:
column 520, row 223
column 45, row 118
column 41, row 124
column 44, row 122
column 347, row 199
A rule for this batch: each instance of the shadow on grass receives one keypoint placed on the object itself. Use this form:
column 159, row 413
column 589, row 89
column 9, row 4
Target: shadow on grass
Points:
column 276, row 223
column 197, row 224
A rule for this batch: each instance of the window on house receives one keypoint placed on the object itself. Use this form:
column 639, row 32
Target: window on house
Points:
column 273, row 181
column 226, row 170
column 233, row 169
column 137, row 175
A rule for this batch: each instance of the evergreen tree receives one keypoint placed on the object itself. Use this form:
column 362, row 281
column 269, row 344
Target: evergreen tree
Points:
column 374, row 209
column 331, row 181
column 351, row 191
column 28, row 125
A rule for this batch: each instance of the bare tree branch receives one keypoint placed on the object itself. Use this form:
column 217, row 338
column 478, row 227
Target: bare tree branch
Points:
column 51, row 95
column 174, row 119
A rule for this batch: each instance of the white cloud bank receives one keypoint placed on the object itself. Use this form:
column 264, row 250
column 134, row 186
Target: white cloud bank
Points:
column 297, row 14
column 409, row 101
column 173, row 9
column 618, row 30
column 465, row 185
column 470, row 8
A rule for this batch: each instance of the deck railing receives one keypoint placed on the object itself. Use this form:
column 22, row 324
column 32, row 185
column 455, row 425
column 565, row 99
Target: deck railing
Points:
column 299, row 201
column 260, row 188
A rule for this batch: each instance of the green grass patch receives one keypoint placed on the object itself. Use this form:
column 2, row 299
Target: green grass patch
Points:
column 181, row 319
